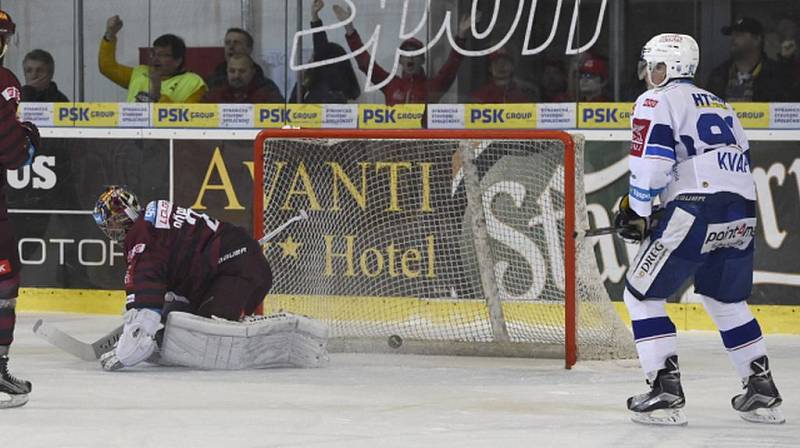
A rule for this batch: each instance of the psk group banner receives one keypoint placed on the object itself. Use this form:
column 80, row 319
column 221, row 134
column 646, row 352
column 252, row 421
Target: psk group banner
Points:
column 373, row 116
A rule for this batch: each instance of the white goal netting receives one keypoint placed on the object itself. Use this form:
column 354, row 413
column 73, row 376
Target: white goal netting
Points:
column 434, row 246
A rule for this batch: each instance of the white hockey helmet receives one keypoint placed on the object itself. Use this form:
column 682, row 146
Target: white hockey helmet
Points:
column 679, row 52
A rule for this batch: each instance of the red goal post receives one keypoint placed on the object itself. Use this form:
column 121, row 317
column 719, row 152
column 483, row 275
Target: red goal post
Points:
column 275, row 175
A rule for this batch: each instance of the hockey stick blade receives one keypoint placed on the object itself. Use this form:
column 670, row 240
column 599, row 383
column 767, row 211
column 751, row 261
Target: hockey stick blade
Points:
column 71, row 345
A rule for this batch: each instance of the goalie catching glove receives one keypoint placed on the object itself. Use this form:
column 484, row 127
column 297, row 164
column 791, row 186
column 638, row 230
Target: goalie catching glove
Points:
column 137, row 342
column 630, row 226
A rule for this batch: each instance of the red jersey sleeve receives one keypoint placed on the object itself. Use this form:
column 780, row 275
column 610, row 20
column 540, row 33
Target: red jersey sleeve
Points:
column 13, row 137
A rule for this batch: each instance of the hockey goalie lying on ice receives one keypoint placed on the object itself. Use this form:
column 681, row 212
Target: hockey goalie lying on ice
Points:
column 200, row 280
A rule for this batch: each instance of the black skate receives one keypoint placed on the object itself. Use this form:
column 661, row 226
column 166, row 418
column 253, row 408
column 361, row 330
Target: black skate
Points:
column 759, row 403
column 662, row 405
column 13, row 391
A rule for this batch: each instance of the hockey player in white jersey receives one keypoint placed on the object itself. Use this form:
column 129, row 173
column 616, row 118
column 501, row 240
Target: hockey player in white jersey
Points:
column 688, row 150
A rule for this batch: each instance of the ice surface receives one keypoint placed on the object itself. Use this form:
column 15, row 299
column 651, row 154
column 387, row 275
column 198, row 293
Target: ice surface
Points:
column 379, row 401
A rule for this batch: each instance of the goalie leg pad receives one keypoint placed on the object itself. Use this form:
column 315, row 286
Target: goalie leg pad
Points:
column 282, row 340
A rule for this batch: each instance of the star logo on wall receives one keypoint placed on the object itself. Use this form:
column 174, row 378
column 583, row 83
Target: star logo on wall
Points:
column 290, row 247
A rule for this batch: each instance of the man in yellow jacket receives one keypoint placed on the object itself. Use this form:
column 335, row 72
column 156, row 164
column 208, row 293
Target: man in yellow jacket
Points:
column 165, row 80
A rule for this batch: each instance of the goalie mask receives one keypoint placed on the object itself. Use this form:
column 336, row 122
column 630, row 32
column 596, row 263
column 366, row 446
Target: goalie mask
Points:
column 678, row 52
column 116, row 211
column 7, row 28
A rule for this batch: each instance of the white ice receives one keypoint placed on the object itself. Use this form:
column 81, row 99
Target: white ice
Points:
column 379, row 401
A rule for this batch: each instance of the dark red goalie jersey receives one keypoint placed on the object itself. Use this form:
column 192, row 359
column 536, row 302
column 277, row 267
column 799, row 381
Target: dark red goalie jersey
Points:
column 171, row 248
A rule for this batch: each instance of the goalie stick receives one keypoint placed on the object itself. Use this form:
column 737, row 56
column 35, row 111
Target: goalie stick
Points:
column 71, row 345
column 300, row 216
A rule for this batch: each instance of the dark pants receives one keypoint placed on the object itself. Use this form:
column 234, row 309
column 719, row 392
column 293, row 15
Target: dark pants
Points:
column 9, row 282
column 242, row 280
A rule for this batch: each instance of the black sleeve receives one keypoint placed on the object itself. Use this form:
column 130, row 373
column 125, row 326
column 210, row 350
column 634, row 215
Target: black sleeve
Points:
column 321, row 37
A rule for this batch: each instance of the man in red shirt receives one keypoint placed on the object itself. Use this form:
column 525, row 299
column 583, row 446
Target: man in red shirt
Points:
column 18, row 142
column 501, row 86
column 412, row 85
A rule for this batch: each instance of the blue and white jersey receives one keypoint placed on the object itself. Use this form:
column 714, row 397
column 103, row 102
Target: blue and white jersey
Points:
column 686, row 140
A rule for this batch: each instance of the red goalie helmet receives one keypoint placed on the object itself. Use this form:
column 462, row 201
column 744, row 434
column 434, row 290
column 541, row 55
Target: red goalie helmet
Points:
column 116, row 211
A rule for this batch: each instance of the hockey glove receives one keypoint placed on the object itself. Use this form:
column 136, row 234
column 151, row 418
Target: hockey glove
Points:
column 630, row 226
column 34, row 141
column 137, row 342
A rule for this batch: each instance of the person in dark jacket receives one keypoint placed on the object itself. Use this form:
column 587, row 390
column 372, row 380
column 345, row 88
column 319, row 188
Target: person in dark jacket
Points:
column 332, row 84
column 38, row 67
column 243, row 85
column 749, row 75
column 501, row 87
column 237, row 42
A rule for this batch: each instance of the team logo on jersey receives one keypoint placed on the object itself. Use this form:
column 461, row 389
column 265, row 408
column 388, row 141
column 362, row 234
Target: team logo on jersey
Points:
column 649, row 102
column 10, row 93
column 5, row 267
column 137, row 249
column 736, row 234
column 639, row 129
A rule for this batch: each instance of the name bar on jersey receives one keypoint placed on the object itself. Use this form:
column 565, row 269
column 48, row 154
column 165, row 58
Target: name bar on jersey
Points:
column 604, row 115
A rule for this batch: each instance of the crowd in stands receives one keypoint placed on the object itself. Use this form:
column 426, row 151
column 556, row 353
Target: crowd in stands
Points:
column 762, row 67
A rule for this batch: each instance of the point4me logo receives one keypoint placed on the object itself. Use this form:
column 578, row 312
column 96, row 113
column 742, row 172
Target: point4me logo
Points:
column 89, row 114
column 194, row 115
column 736, row 234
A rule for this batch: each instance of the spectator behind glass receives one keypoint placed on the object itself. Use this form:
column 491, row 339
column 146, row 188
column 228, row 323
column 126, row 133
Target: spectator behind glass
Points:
column 38, row 67
column 242, row 85
column 237, row 42
column 554, row 82
column 749, row 75
column 165, row 80
column 789, row 54
column 501, row 87
column 334, row 83
column 412, row 85
column 593, row 79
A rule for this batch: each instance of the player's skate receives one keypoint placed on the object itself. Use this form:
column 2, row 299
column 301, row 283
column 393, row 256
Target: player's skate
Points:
column 13, row 391
column 662, row 404
column 759, row 403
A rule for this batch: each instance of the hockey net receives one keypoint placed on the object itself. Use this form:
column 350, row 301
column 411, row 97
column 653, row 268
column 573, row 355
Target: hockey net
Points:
column 438, row 242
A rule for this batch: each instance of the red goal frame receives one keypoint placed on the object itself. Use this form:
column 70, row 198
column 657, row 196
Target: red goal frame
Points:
column 570, row 306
